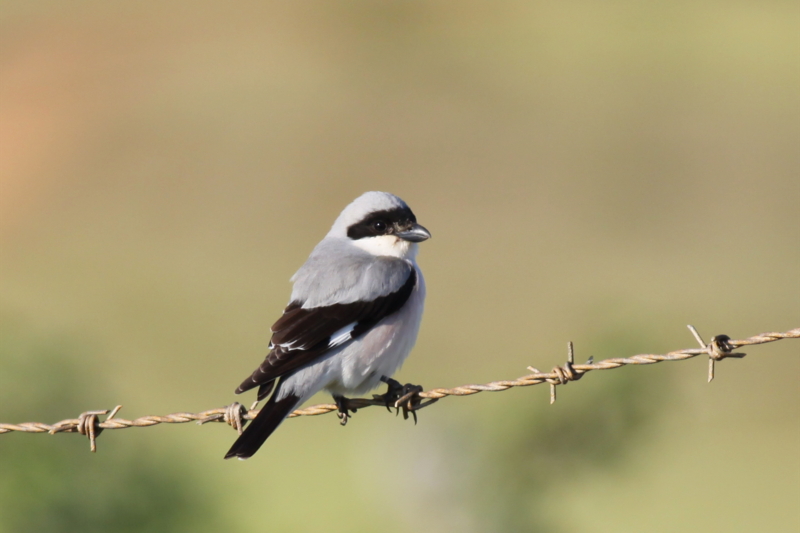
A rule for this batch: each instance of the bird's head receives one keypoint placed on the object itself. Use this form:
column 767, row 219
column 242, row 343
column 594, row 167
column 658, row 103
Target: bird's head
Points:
column 382, row 224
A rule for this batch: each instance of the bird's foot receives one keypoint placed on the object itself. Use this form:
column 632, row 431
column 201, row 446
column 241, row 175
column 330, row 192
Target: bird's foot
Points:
column 393, row 393
column 405, row 397
column 343, row 405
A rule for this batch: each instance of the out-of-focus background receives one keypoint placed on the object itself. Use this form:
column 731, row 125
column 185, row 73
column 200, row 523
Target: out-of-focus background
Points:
column 604, row 173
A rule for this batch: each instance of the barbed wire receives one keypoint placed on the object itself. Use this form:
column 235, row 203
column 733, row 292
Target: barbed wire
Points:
column 721, row 347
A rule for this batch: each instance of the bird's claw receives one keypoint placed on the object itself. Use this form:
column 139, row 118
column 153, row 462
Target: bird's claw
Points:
column 402, row 397
column 409, row 402
column 343, row 405
column 393, row 393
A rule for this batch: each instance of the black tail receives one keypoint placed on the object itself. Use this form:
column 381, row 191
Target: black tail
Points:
column 267, row 420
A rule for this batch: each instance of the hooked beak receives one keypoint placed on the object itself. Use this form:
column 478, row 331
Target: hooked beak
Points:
column 416, row 233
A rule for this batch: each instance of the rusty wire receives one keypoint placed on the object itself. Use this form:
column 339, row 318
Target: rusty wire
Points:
column 235, row 415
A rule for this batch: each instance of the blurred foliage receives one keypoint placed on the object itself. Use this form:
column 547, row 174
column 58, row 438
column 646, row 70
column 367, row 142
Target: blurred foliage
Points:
column 55, row 484
column 525, row 460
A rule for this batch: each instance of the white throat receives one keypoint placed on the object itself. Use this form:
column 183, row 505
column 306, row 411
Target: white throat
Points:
column 388, row 245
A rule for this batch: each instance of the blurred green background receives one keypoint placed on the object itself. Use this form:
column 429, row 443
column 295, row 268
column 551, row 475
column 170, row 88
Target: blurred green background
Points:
column 598, row 172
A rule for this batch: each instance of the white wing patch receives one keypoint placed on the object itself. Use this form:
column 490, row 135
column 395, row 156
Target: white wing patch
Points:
column 342, row 336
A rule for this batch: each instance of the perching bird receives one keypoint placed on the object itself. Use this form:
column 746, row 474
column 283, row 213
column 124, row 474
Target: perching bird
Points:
column 352, row 319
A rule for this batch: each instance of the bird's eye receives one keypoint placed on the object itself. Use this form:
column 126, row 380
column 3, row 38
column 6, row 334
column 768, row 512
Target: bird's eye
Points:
column 379, row 226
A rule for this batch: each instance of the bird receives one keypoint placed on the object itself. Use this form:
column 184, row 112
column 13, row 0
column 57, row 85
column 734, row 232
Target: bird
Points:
column 353, row 317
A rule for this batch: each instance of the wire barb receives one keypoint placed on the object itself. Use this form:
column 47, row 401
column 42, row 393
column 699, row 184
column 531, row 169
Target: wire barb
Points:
column 87, row 425
column 233, row 415
column 564, row 374
column 721, row 347
column 718, row 349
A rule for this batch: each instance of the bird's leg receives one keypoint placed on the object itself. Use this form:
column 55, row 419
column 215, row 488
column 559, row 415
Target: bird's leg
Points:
column 401, row 396
column 393, row 393
column 343, row 404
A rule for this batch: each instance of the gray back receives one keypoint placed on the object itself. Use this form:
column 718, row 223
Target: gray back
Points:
column 338, row 272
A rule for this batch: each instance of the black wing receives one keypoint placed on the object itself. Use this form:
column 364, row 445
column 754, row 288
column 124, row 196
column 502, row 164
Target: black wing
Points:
column 302, row 336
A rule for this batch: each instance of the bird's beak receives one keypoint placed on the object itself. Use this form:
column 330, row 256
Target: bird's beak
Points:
column 415, row 233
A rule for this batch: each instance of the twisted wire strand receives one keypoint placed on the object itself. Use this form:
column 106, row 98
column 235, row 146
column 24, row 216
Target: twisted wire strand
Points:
column 235, row 414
